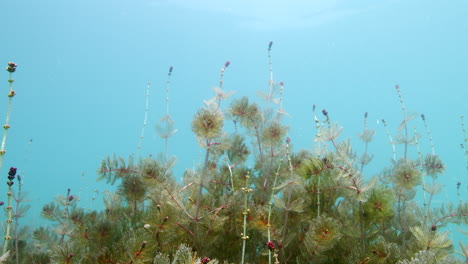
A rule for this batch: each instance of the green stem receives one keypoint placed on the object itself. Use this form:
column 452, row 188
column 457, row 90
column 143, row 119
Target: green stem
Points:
column 6, row 126
column 318, row 196
column 9, row 220
column 17, row 213
column 200, row 190
column 244, row 235
column 288, row 204
column 270, row 205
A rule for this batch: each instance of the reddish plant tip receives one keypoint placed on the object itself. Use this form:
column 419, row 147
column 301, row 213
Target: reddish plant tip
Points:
column 70, row 198
column 397, row 87
column 271, row 245
column 170, row 69
column 205, row 260
column 313, row 107
column 288, row 140
column 2, row 203
column 226, row 64
column 282, row 83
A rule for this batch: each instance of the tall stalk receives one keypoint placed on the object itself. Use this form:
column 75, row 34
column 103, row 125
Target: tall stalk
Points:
column 166, row 130
column 145, row 120
column 9, row 208
column 291, row 175
column 18, row 213
column 405, row 121
column 270, row 205
column 244, row 235
column 11, row 69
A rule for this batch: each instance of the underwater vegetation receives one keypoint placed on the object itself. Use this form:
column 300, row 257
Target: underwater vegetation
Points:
column 254, row 198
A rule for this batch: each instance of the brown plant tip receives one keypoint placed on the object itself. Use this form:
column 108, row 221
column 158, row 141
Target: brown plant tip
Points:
column 11, row 67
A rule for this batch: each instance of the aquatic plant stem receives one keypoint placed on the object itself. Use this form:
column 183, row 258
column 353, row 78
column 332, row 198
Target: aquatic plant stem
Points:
column 199, row 197
column 145, row 120
column 11, row 68
column 291, row 174
column 202, row 176
column 389, row 138
column 221, row 82
column 366, row 144
column 270, row 205
column 425, row 204
column 168, row 85
column 17, row 215
column 244, row 235
column 428, row 132
column 270, row 64
column 9, row 220
column 465, row 141
column 403, row 108
column 318, row 196
column 230, row 172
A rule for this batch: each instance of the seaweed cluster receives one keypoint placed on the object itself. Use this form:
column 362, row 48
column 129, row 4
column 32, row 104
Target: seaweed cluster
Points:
column 255, row 198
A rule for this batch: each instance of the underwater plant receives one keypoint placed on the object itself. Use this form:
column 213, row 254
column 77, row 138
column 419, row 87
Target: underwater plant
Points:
column 255, row 197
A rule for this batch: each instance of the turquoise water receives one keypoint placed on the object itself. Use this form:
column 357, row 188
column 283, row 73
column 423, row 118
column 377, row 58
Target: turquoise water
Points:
column 83, row 67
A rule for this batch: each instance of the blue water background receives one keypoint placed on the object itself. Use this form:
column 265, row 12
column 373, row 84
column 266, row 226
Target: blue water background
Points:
column 84, row 66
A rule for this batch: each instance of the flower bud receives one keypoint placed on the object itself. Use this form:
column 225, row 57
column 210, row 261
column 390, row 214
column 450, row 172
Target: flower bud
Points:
column 11, row 67
column 271, row 245
column 12, row 171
